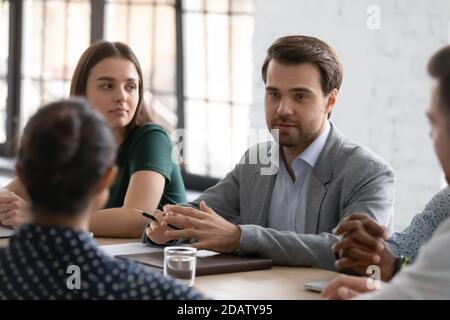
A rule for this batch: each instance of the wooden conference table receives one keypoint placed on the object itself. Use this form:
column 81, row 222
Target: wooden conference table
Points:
column 277, row 283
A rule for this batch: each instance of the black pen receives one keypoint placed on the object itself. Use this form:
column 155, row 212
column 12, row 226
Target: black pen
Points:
column 152, row 217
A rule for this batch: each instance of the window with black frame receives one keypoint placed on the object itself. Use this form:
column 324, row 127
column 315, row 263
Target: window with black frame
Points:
column 196, row 57
column 55, row 33
column 149, row 27
column 217, row 38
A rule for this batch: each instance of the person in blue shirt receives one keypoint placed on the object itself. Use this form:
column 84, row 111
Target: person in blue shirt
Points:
column 66, row 164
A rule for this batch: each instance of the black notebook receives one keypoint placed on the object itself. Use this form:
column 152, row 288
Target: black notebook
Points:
column 216, row 264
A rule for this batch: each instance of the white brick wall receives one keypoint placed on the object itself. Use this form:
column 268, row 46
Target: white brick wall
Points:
column 385, row 90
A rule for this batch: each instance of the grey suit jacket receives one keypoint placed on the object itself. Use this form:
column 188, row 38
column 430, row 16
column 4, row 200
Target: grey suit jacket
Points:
column 346, row 178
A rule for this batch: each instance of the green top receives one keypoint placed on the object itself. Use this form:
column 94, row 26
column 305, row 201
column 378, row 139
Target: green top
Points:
column 147, row 148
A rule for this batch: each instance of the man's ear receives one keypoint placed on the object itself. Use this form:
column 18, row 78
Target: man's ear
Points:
column 331, row 100
column 108, row 179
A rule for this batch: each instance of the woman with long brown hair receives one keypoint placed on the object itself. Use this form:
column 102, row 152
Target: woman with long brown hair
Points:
column 108, row 74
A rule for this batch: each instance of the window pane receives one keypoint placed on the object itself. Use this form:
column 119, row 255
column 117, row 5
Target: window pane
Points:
column 197, row 127
column 193, row 5
column 4, row 39
column 219, row 141
column 140, row 2
column 218, row 85
column 221, row 6
column 218, row 57
column 242, row 6
column 55, row 35
column 194, row 56
column 148, row 27
column 242, row 58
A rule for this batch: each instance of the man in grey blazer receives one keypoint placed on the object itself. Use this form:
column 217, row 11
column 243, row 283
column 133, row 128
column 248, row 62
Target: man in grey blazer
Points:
column 283, row 199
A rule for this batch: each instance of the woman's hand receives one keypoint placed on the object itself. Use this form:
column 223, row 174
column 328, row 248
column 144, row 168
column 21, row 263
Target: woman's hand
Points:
column 13, row 210
column 156, row 230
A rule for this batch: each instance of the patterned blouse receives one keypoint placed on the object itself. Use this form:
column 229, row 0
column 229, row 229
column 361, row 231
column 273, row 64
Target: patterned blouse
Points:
column 423, row 225
column 44, row 262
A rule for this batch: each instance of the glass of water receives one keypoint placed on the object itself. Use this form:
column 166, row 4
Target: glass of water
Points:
column 179, row 263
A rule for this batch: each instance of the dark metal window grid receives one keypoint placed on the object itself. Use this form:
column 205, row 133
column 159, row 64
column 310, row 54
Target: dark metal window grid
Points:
column 193, row 181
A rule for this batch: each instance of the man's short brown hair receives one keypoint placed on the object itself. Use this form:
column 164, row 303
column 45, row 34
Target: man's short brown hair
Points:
column 292, row 50
column 439, row 69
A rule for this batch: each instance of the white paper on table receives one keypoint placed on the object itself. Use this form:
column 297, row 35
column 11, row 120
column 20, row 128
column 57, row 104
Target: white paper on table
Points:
column 206, row 253
column 6, row 232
